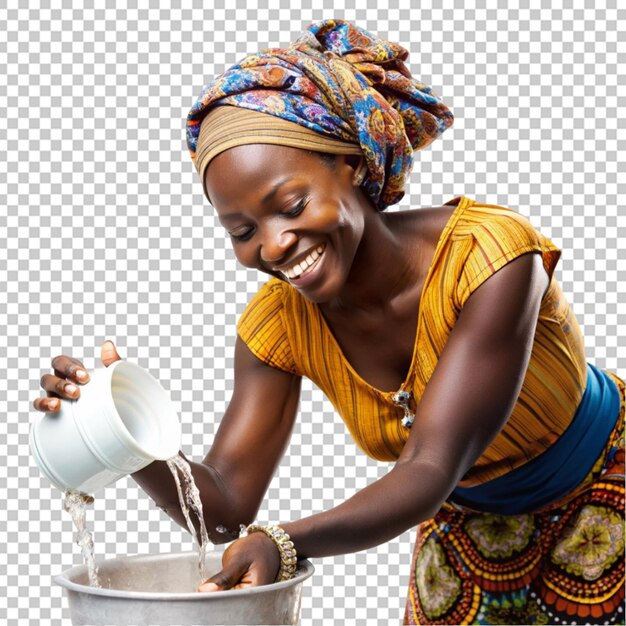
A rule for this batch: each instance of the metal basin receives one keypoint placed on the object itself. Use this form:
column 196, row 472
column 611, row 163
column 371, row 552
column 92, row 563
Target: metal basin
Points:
column 160, row 589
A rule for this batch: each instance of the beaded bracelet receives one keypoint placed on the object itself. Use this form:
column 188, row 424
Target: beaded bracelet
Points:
column 288, row 557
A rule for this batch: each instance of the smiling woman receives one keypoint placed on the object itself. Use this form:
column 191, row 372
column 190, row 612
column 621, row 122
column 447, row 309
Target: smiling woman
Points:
column 287, row 206
column 440, row 336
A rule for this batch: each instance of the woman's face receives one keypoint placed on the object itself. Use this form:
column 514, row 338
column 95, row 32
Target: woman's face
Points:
column 281, row 204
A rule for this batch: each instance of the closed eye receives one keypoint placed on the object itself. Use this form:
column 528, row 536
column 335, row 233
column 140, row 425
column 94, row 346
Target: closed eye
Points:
column 299, row 207
column 295, row 211
column 244, row 237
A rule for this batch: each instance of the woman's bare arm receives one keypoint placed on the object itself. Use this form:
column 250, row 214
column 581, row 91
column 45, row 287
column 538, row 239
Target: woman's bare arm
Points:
column 250, row 441
column 466, row 403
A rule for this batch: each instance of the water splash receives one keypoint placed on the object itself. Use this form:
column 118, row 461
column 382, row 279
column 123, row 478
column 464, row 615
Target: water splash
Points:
column 233, row 533
column 75, row 502
column 191, row 497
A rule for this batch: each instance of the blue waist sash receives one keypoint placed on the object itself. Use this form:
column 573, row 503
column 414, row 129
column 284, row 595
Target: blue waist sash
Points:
column 562, row 467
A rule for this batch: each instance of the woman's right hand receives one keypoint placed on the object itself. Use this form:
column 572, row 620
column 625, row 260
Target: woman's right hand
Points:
column 67, row 374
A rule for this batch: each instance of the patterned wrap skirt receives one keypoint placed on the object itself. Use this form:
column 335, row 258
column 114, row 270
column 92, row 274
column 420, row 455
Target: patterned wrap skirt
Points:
column 563, row 564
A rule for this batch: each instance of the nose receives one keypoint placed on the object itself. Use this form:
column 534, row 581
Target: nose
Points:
column 275, row 245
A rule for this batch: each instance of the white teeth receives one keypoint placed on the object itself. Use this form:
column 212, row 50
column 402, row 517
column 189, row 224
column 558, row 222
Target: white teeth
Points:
column 301, row 267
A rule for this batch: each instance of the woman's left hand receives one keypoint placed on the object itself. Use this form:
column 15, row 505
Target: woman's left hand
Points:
column 247, row 562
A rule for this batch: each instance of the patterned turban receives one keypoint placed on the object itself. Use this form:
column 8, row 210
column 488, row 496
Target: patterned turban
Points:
column 342, row 83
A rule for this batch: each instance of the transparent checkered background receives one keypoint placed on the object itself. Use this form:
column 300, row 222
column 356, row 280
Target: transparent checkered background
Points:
column 105, row 234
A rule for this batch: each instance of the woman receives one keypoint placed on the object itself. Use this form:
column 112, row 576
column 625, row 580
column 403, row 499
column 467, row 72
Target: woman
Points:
column 439, row 335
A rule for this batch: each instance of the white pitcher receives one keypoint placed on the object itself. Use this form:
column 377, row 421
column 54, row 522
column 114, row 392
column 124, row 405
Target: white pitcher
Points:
column 122, row 421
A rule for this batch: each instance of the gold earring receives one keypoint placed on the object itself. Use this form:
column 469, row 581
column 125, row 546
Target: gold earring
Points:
column 358, row 179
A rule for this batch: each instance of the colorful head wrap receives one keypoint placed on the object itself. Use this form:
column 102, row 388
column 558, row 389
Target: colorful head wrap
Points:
column 343, row 82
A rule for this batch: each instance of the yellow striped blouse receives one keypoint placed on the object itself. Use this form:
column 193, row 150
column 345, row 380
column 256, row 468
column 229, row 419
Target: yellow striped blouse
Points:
column 288, row 331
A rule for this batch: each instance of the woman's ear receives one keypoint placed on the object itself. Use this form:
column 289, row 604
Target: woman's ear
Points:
column 359, row 165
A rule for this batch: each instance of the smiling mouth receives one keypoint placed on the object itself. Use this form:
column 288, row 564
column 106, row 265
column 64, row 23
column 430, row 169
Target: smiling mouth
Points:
column 297, row 271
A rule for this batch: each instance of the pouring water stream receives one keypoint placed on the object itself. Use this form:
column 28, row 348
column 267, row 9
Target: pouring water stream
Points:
column 75, row 503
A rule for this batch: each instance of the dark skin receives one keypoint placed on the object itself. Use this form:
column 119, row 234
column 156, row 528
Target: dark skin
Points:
column 370, row 285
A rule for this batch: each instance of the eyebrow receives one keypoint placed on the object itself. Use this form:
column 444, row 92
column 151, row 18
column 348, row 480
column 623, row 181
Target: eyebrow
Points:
column 274, row 190
column 268, row 196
